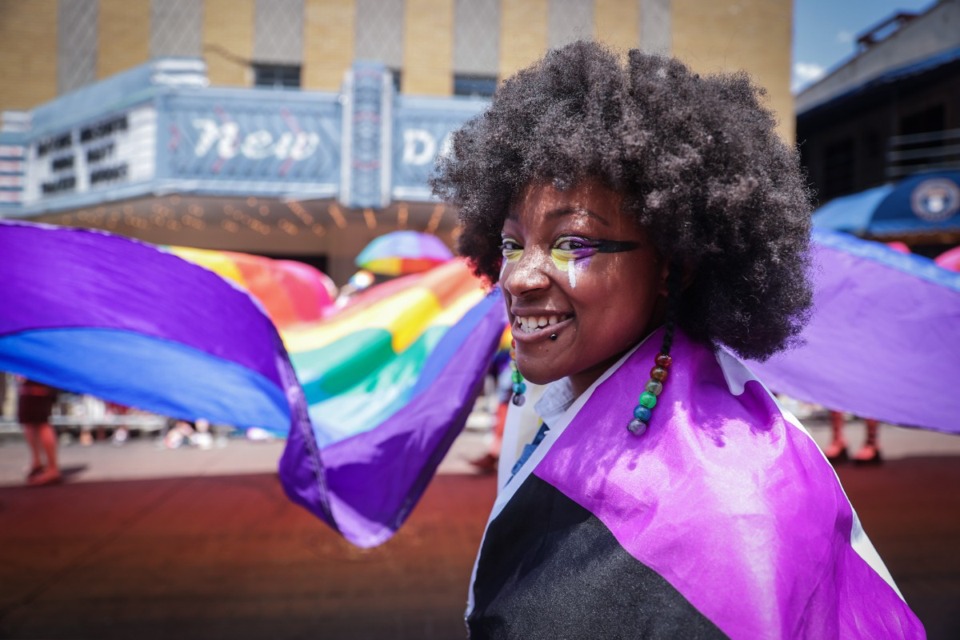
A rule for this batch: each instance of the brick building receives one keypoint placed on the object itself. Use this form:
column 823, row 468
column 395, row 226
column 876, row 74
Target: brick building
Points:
column 891, row 109
column 239, row 124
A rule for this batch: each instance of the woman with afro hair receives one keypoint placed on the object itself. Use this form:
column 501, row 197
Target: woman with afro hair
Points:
column 646, row 226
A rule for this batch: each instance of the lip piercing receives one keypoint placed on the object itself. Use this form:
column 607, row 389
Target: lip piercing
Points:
column 553, row 337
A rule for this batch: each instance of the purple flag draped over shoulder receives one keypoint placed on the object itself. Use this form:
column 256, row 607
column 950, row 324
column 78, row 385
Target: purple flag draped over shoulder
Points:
column 724, row 519
column 884, row 338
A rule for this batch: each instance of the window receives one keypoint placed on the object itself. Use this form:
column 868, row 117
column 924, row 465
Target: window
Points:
column 838, row 166
column 929, row 119
column 475, row 86
column 277, row 76
column 922, row 143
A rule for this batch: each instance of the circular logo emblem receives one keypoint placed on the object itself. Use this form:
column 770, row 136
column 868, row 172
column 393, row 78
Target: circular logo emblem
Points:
column 935, row 200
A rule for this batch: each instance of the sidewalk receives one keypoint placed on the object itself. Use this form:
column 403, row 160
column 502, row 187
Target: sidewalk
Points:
column 154, row 543
column 143, row 458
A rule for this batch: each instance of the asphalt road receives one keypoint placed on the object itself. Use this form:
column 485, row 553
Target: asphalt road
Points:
column 151, row 543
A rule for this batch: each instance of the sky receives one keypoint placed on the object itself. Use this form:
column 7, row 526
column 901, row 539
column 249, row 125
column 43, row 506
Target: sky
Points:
column 825, row 31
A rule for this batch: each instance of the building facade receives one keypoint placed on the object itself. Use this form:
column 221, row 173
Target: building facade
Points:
column 299, row 128
column 891, row 110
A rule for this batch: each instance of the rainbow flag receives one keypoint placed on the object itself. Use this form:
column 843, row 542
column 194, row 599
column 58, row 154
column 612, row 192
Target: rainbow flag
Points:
column 390, row 379
column 361, row 364
column 291, row 292
column 96, row 313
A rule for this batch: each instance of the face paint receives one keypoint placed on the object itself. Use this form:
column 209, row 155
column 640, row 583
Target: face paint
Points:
column 511, row 252
column 572, row 254
column 615, row 302
column 570, row 261
column 510, row 249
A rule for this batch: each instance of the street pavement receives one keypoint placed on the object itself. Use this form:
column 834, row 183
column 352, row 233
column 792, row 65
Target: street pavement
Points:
column 145, row 542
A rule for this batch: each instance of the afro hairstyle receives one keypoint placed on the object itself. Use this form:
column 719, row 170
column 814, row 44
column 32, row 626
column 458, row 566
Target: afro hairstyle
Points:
column 696, row 158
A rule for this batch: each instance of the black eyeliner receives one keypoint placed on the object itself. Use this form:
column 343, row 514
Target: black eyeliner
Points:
column 615, row 246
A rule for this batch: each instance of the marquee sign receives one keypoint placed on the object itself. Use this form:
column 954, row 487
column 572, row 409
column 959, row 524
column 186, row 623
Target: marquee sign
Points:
column 368, row 98
column 366, row 146
column 110, row 151
column 421, row 133
column 266, row 140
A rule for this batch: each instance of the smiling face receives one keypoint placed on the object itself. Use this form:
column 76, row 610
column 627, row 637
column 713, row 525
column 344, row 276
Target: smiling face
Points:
column 577, row 267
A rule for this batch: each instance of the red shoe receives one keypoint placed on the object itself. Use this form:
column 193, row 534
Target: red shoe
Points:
column 837, row 452
column 47, row 478
column 868, row 455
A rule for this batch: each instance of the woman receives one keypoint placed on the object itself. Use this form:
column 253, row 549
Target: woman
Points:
column 643, row 222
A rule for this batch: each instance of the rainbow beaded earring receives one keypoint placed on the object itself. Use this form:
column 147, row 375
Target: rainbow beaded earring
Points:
column 658, row 375
column 519, row 386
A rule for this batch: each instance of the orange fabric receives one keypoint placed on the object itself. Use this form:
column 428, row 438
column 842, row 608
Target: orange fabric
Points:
column 261, row 279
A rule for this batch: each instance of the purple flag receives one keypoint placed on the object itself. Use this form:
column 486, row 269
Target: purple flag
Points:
column 884, row 338
column 723, row 520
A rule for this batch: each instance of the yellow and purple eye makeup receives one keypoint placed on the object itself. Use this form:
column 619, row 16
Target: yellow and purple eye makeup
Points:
column 510, row 249
column 570, row 253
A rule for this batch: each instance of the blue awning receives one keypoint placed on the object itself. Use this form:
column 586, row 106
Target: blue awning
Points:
column 922, row 203
column 850, row 213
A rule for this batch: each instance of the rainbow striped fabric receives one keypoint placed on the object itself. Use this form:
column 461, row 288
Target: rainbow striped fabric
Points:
column 95, row 313
column 291, row 292
column 390, row 379
column 363, row 362
column 390, row 382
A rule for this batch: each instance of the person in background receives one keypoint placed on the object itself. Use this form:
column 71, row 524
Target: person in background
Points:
column 869, row 453
column 121, row 431
column 836, row 451
column 34, row 407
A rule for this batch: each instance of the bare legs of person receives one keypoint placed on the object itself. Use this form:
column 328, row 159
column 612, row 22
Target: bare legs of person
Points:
column 836, row 451
column 42, row 439
column 869, row 453
column 32, row 436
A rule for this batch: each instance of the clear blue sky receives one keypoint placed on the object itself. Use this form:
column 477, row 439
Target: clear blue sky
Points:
column 824, row 31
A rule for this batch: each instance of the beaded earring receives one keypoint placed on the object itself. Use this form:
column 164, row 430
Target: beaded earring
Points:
column 519, row 386
column 658, row 375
